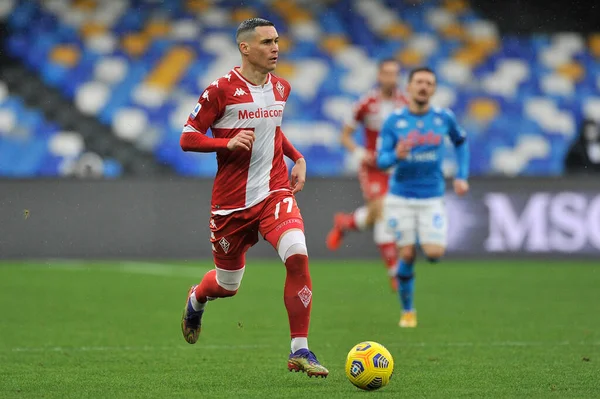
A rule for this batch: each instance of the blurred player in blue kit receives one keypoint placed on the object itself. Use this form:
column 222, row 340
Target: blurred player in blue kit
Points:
column 412, row 142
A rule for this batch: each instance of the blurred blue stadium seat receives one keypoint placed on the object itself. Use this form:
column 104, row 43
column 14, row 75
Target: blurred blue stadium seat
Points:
column 30, row 145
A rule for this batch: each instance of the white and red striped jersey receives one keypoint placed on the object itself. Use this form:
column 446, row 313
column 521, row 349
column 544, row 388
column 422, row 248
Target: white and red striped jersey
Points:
column 231, row 104
column 371, row 111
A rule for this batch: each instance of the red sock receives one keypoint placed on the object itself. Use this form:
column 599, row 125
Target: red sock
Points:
column 389, row 254
column 297, row 295
column 209, row 289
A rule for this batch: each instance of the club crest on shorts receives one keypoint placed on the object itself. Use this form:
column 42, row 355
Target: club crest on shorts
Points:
column 224, row 244
column 305, row 294
column 392, row 223
column 438, row 221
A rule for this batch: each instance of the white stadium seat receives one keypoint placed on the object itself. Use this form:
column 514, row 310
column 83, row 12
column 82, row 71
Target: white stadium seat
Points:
column 130, row 123
column 91, row 97
column 111, row 70
column 66, row 144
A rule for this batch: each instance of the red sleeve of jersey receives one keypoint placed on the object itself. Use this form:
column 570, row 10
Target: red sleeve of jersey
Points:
column 288, row 86
column 209, row 108
column 289, row 150
column 358, row 112
column 198, row 142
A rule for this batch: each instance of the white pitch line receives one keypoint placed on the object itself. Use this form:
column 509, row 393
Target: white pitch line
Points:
column 265, row 346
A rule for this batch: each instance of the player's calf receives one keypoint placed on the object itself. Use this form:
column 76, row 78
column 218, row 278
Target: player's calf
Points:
column 291, row 247
column 297, row 294
column 405, row 276
column 388, row 250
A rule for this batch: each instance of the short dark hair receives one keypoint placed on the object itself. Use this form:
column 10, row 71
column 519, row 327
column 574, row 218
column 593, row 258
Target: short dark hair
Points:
column 420, row 69
column 249, row 25
column 384, row 61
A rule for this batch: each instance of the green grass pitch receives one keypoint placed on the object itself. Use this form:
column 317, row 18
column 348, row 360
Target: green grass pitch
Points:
column 111, row 330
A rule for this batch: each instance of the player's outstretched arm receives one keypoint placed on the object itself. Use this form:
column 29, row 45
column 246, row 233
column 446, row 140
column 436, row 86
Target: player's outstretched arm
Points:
column 462, row 159
column 458, row 136
column 357, row 151
column 386, row 153
column 347, row 140
column 461, row 185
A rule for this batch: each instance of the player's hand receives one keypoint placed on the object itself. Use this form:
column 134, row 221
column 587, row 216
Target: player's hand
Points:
column 403, row 149
column 298, row 176
column 243, row 140
column 461, row 187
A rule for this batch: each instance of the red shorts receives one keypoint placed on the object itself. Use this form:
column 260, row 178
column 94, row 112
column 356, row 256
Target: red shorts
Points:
column 232, row 235
column 373, row 182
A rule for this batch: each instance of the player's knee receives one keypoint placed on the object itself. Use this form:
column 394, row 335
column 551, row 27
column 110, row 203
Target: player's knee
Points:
column 292, row 243
column 230, row 280
column 296, row 249
column 408, row 254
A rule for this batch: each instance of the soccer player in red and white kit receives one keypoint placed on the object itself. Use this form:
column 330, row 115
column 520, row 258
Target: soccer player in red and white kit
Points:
column 252, row 193
column 371, row 111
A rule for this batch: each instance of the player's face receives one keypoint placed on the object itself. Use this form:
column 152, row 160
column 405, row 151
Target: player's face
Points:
column 263, row 48
column 388, row 75
column 421, row 87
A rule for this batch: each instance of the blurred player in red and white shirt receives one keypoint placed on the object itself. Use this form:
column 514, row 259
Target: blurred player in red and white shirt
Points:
column 371, row 111
column 252, row 193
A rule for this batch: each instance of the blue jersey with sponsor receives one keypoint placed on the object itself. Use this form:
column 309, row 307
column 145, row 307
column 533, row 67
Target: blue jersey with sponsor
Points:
column 420, row 175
